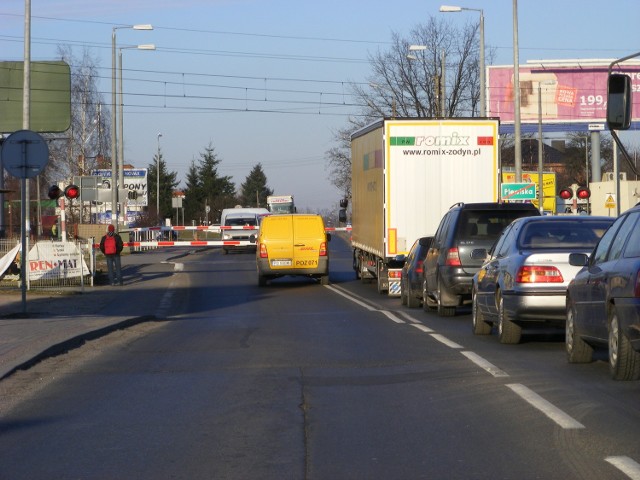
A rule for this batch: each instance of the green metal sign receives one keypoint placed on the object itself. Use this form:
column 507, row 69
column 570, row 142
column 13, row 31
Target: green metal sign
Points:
column 518, row 191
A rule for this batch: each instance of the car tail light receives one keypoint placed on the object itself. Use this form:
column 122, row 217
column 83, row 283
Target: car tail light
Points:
column 263, row 251
column 395, row 273
column 538, row 274
column 636, row 290
column 453, row 258
column 419, row 268
column 323, row 249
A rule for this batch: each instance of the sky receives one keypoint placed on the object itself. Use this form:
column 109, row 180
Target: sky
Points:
column 267, row 81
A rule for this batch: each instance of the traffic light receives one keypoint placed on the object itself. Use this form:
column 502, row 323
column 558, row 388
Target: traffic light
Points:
column 583, row 193
column 72, row 191
column 55, row 192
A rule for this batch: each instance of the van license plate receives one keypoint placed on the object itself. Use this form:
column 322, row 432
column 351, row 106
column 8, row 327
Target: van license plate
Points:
column 281, row 263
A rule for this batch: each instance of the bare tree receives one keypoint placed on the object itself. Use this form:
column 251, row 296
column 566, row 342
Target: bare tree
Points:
column 80, row 149
column 399, row 86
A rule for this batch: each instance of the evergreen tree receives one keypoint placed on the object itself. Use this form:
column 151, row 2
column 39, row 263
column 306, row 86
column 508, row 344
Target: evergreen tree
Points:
column 193, row 198
column 206, row 188
column 168, row 182
column 254, row 191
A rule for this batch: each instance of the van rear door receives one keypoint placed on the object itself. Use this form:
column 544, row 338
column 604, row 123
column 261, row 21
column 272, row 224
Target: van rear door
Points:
column 308, row 235
column 280, row 246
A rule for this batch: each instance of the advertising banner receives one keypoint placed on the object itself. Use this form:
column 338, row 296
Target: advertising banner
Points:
column 135, row 180
column 56, row 260
column 570, row 93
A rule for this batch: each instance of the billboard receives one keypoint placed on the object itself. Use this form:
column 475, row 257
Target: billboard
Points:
column 135, row 180
column 570, row 93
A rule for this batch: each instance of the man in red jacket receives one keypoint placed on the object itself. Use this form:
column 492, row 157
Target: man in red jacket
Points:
column 111, row 246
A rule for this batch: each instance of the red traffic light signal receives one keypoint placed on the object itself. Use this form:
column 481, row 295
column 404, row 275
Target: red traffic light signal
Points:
column 566, row 194
column 55, row 192
column 583, row 193
column 72, row 191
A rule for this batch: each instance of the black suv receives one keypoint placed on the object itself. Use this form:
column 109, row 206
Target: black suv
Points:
column 448, row 267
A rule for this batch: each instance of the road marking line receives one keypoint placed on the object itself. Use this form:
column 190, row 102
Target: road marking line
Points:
column 408, row 317
column 550, row 410
column 446, row 341
column 485, row 364
column 424, row 328
column 392, row 317
column 349, row 297
column 626, row 465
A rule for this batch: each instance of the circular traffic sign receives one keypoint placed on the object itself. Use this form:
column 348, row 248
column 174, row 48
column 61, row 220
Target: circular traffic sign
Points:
column 24, row 154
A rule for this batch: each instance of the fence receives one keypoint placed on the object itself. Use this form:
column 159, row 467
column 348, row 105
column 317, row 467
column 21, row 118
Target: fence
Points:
column 63, row 264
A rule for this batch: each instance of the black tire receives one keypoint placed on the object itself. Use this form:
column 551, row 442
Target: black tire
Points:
column 508, row 331
column 262, row 280
column 480, row 326
column 444, row 311
column 578, row 351
column 412, row 300
column 624, row 361
column 225, row 251
column 324, row 280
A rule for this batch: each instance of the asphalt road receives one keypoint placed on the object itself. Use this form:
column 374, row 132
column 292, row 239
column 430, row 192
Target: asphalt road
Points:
column 301, row 381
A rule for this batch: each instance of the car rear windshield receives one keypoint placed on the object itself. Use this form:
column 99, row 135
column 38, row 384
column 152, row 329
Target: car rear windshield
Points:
column 569, row 234
column 240, row 222
column 486, row 225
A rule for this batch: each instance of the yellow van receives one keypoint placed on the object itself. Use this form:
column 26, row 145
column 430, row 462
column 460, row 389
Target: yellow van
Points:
column 293, row 244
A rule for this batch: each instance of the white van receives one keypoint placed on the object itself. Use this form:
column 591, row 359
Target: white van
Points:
column 240, row 217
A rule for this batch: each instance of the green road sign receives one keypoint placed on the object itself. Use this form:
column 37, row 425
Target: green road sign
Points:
column 518, row 191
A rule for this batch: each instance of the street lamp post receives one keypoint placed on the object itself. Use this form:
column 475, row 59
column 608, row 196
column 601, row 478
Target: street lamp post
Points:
column 540, row 157
column 114, row 141
column 121, row 109
column 158, row 180
column 483, row 103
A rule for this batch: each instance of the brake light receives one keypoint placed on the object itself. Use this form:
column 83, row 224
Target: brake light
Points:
column 323, row 249
column 395, row 273
column 538, row 274
column 453, row 258
column 419, row 268
column 263, row 251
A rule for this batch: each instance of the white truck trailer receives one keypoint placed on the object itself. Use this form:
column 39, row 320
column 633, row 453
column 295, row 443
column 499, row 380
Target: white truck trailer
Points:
column 281, row 204
column 406, row 174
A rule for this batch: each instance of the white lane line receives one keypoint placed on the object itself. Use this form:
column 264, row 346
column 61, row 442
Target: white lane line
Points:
column 349, row 297
column 445, row 340
column 626, row 465
column 550, row 410
column 424, row 328
column 392, row 317
column 408, row 317
column 485, row 364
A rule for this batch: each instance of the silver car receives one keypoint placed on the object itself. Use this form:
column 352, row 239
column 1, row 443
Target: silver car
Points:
column 527, row 271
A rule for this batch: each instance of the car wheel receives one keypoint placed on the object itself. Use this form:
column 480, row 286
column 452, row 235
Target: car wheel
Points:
column 508, row 332
column 225, row 251
column 262, row 280
column 324, row 280
column 578, row 351
column 624, row 361
column 412, row 300
column 480, row 326
column 444, row 311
